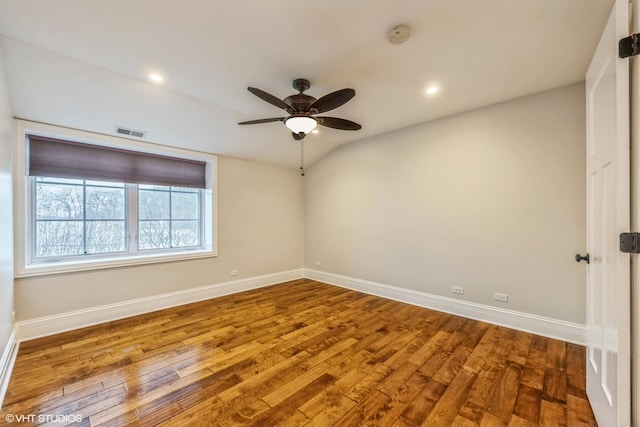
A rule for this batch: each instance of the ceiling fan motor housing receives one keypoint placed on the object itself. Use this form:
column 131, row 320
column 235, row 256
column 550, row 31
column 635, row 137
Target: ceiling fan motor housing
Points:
column 300, row 102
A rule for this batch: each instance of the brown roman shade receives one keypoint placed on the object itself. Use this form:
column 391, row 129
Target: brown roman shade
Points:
column 57, row 158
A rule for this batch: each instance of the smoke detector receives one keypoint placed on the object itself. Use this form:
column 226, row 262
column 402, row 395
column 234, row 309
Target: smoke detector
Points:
column 399, row 34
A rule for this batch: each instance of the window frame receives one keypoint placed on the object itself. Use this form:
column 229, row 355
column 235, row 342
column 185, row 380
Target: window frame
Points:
column 27, row 265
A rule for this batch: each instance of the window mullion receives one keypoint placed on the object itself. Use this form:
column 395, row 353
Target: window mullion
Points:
column 132, row 217
column 170, row 217
column 84, row 217
column 201, row 217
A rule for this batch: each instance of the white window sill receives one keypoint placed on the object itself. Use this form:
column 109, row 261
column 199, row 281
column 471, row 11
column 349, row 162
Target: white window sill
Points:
column 60, row 267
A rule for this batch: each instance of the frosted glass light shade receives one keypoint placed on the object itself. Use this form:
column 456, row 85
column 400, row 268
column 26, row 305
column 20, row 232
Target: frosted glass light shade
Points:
column 299, row 124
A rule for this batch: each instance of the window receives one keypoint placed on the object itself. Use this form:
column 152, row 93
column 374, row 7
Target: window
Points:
column 168, row 217
column 95, row 205
column 78, row 217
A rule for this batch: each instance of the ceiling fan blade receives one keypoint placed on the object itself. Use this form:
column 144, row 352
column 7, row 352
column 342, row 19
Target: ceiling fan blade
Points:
column 336, row 123
column 255, row 122
column 298, row 136
column 332, row 100
column 271, row 99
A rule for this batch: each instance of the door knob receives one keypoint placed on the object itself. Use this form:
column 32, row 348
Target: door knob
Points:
column 582, row 258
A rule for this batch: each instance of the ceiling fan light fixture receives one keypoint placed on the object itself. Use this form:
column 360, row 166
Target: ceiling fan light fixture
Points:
column 301, row 124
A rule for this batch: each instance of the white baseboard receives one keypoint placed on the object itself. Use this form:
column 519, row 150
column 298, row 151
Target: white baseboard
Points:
column 49, row 325
column 539, row 325
column 7, row 359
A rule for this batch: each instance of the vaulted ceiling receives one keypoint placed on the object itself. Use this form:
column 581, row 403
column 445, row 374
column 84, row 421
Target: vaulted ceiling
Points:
column 85, row 64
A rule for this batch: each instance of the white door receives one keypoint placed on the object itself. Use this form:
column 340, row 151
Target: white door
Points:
column 608, row 204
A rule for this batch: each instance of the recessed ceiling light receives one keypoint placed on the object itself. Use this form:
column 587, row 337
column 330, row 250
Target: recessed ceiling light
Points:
column 432, row 89
column 315, row 131
column 155, row 77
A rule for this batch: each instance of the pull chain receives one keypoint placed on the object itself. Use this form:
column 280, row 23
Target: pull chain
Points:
column 302, row 157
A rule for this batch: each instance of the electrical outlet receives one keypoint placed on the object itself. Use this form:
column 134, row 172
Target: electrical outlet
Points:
column 233, row 273
column 317, row 264
column 501, row 297
column 457, row 290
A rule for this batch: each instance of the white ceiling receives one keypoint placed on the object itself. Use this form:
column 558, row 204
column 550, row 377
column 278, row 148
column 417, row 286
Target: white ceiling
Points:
column 85, row 64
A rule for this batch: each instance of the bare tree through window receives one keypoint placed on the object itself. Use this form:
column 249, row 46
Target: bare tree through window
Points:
column 75, row 217
column 169, row 217
column 78, row 217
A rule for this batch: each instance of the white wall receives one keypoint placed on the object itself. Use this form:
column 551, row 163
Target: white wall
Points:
column 6, row 212
column 491, row 200
column 260, row 211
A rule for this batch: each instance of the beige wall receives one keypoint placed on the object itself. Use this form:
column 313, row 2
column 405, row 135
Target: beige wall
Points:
column 492, row 200
column 260, row 209
column 6, row 212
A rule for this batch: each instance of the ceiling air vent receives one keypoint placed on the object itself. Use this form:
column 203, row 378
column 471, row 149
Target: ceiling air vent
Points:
column 130, row 132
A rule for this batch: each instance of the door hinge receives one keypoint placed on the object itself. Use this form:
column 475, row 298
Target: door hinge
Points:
column 629, row 46
column 630, row 243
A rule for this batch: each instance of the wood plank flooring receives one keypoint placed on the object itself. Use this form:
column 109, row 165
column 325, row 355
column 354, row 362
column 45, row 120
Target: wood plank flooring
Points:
column 298, row 353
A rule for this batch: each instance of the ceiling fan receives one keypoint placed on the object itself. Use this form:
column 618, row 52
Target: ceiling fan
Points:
column 303, row 108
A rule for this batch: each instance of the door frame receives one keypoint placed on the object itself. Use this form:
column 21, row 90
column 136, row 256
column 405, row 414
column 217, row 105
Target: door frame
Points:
column 634, row 123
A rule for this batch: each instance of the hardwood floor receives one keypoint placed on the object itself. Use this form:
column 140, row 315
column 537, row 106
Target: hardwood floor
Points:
column 299, row 353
